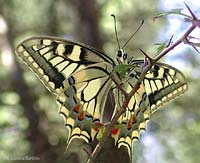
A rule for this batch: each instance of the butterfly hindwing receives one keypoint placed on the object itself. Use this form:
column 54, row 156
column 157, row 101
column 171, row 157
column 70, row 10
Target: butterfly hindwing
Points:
column 134, row 120
column 84, row 98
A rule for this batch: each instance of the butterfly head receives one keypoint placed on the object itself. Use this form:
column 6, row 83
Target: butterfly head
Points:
column 121, row 56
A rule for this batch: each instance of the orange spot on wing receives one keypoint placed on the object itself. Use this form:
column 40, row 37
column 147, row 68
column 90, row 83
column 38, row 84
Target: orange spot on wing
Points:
column 81, row 116
column 115, row 131
column 134, row 120
column 97, row 125
column 77, row 108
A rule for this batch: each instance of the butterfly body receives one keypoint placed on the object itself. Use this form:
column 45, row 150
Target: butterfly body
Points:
column 80, row 77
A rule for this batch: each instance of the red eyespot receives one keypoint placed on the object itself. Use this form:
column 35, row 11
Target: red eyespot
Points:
column 134, row 120
column 115, row 131
column 81, row 116
column 97, row 125
column 77, row 108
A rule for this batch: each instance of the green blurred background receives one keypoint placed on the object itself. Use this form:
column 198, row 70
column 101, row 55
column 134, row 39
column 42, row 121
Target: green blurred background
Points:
column 30, row 125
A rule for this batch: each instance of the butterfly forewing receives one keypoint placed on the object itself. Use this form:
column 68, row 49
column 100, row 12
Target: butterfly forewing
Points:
column 54, row 59
column 163, row 83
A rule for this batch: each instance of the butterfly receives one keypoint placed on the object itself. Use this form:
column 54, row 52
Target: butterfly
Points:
column 80, row 78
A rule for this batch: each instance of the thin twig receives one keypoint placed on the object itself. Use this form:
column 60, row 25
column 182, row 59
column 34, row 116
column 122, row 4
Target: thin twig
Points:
column 119, row 86
column 146, row 55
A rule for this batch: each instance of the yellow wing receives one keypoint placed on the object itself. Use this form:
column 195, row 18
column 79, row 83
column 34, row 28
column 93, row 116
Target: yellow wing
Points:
column 83, row 99
column 77, row 74
column 161, row 84
column 80, row 78
column 54, row 59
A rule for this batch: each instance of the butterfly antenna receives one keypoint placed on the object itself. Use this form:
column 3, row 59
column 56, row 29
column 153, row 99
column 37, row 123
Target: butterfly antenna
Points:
column 134, row 33
column 116, row 35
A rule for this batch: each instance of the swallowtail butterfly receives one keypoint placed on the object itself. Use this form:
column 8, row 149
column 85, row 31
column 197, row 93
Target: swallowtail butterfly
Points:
column 79, row 76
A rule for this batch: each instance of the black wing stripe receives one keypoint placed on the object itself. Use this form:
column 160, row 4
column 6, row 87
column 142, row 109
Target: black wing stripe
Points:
column 53, row 74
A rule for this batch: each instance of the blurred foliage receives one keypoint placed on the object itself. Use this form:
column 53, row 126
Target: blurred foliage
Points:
column 175, row 129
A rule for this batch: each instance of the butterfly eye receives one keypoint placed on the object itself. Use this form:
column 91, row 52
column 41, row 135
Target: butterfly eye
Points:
column 125, row 56
column 119, row 53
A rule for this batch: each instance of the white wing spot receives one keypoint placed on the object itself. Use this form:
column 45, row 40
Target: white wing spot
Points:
column 171, row 72
column 35, row 65
column 30, row 59
column 60, row 49
column 47, row 42
column 42, row 72
column 26, row 54
column 35, row 47
column 20, row 49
